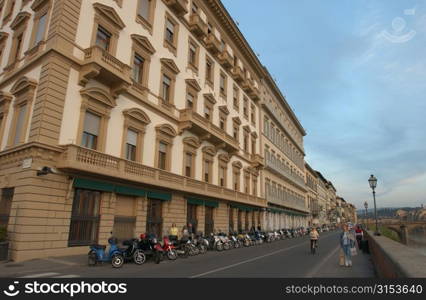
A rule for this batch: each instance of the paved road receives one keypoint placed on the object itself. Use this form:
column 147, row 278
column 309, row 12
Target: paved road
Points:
column 287, row 258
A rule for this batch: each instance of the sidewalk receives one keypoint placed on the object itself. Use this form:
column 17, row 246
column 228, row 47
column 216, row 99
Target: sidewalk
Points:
column 362, row 267
column 18, row 269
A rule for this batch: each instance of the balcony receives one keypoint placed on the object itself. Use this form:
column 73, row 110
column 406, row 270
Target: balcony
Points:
column 225, row 59
column 257, row 160
column 100, row 65
column 193, row 122
column 78, row 160
column 178, row 6
column 286, row 174
column 197, row 26
column 237, row 74
column 212, row 43
column 247, row 85
column 255, row 94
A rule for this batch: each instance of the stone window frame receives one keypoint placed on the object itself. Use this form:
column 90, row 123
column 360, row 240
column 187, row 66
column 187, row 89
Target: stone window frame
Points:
column 247, row 179
column 236, row 175
column 107, row 18
column 135, row 119
column 192, row 88
column 210, row 79
column 246, row 135
column 236, row 122
column 223, row 115
column 253, row 114
column 190, row 145
column 169, row 69
column 165, row 133
column 147, row 24
column 8, row 12
column 246, row 112
column 174, row 45
column 236, row 98
column 23, row 91
column 143, row 48
column 254, row 178
column 19, row 27
column 5, row 100
column 194, row 66
column 209, row 153
column 253, row 143
column 40, row 8
column 209, row 102
column 223, row 93
column 3, row 40
column 223, row 160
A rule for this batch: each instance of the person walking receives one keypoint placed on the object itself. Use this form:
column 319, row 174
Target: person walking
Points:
column 347, row 242
column 359, row 235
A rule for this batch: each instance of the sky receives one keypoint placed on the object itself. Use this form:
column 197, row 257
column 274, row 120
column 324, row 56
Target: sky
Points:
column 354, row 73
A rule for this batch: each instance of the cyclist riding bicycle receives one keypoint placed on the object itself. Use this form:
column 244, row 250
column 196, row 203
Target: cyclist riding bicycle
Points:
column 314, row 235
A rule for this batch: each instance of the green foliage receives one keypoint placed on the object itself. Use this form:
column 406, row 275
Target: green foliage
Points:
column 3, row 233
column 389, row 233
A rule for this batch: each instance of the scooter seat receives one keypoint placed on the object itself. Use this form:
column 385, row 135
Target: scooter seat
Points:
column 97, row 246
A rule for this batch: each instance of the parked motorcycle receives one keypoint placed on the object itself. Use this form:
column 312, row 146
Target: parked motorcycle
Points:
column 169, row 249
column 151, row 247
column 132, row 252
column 97, row 254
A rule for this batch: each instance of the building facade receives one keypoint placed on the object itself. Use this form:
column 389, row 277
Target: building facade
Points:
column 312, row 195
column 129, row 116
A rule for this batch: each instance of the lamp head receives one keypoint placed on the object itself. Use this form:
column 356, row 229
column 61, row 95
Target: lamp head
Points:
column 372, row 181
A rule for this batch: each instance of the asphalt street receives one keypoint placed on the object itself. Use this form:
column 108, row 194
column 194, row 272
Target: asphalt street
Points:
column 280, row 259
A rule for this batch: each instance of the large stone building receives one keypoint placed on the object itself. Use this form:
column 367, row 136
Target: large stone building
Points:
column 128, row 116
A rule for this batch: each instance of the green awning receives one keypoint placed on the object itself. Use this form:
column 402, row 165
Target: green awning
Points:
column 194, row 201
column 160, row 196
column 130, row 191
column 211, row 203
column 244, row 207
column 93, row 185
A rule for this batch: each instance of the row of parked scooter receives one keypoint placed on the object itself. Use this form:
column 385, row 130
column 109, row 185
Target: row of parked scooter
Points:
column 148, row 246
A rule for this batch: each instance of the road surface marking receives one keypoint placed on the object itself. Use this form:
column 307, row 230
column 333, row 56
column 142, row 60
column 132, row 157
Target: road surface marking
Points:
column 322, row 263
column 40, row 275
column 67, row 276
column 247, row 261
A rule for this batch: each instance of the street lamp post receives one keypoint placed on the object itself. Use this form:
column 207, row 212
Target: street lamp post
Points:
column 373, row 183
column 366, row 208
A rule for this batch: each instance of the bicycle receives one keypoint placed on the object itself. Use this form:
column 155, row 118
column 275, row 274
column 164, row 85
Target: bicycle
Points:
column 314, row 246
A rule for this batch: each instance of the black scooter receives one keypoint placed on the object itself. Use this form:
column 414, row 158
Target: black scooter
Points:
column 150, row 246
column 133, row 252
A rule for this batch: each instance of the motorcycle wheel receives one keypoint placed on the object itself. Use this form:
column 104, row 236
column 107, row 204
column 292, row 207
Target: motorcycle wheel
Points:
column 139, row 257
column 226, row 246
column 117, row 260
column 157, row 257
column 246, row 243
column 171, row 255
column 91, row 259
column 219, row 247
column 237, row 244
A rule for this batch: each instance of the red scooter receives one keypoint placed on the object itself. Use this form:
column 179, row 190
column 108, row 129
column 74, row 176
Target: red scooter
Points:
column 169, row 249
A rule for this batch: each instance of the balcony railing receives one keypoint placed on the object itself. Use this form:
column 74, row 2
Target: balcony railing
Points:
column 286, row 173
column 192, row 121
column 100, row 65
column 79, row 160
column 225, row 59
column 197, row 26
column 212, row 43
column 247, row 85
column 178, row 6
column 237, row 74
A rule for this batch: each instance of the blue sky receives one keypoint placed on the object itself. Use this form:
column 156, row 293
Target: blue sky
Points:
column 355, row 74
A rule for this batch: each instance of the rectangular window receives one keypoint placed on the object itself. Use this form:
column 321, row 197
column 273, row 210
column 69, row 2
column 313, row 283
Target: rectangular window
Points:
column 138, row 63
column 246, row 142
column 245, row 107
column 5, row 205
column 222, row 45
column 162, row 155
column 41, row 28
column 166, row 89
column 188, row 164
column 223, row 84
column 170, row 32
column 253, row 114
column 235, row 98
column 189, row 100
column 236, row 180
column 222, row 172
column 236, row 132
column 192, row 56
column 90, row 131
column 132, row 138
column 194, row 8
column 207, row 165
column 18, row 47
column 19, row 129
column 209, row 28
column 207, row 113
column 253, row 146
column 144, row 9
column 222, row 123
column 103, row 38
column 84, row 218
column 209, row 71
